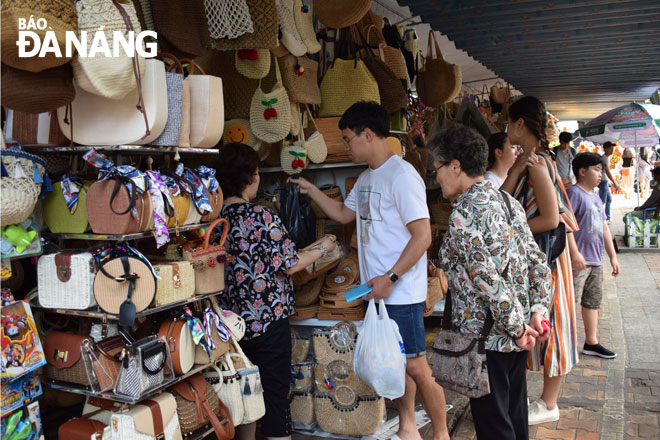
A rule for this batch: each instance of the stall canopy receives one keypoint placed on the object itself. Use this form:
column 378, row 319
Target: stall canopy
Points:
column 581, row 57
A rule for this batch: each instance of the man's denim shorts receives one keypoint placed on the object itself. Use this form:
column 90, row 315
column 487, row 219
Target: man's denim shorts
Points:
column 410, row 319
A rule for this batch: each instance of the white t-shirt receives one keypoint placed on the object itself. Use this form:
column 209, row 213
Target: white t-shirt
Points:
column 494, row 178
column 385, row 200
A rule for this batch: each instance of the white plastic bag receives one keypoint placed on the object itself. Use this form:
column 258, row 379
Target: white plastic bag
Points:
column 380, row 357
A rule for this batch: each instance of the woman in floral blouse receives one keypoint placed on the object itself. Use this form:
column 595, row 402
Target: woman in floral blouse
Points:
column 258, row 282
column 480, row 244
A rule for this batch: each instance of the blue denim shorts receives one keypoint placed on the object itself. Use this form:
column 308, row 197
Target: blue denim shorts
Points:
column 410, row 319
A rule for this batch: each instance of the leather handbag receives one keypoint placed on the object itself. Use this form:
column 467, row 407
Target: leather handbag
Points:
column 37, row 92
column 208, row 261
column 124, row 285
column 270, row 113
column 81, row 428
column 439, row 81
column 93, row 119
column 145, row 366
column 34, row 129
column 63, row 357
column 207, row 111
column 182, row 347
column 198, row 404
column 299, row 75
column 177, row 282
column 65, row 280
column 57, row 211
column 110, row 205
column 151, row 419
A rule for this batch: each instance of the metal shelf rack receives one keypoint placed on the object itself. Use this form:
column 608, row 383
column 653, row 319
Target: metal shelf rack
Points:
column 127, row 237
column 128, row 149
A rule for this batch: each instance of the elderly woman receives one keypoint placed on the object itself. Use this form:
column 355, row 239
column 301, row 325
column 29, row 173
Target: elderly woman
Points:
column 258, row 283
column 481, row 243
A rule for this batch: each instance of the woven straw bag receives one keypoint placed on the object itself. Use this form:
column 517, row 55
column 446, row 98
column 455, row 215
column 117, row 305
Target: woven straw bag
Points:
column 391, row 56
column 228, row 19
column 227, row 384
column 331, row 190
column 39, row 129
column 111, row 291
column 332, row 137
column 239, row 131
column 300, row 79
column 341, row 373
column 299, row 347
column 61, row 17
column 38, row 92
column 265, row 23
column 293, row 158
column 345, row 83
column 252, row 390
column 111, row 214
column 337, row 343
column 208, row 261
column 171, row 135
column 296, row 119
column 307, row 295
column 439, row 81
column 371, row 26
column 343, row 412
column 340, row 13
column 302, row 15
column 108, row 77
column 177, row 282
column 182, row 27
column 270, row 114
column 302, row 407
column 498, row 93
column 66, row 280
column 19, row 188
column 290, row 37
column 253, row 63
column 207, row 111
column 57, row 215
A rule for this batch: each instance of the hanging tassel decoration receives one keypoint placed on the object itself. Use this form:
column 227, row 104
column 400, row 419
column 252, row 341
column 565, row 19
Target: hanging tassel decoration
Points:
column 246, row 389
column 258, row 389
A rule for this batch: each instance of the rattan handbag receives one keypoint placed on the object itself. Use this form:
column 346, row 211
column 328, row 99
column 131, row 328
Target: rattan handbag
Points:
column 337, row 343
column 270, row 114
column 63, row 357
column 345, row 83
column 176, row 283
column 439, row 81
column 300, row 79
column 20, row 184
column 146, row 365
column 308, row 294
column 227, row 384
column 218, row 344
column 66, row 280
column 197, row 404
column 208, row 261
column 323, row 264
column 343, row 412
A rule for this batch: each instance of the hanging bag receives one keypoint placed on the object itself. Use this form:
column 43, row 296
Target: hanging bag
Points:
column 299, row 75
column 228, row 19
column 500, row 94
column 439, row 81
column 317, row 150
column 252, row 391
column 302, row 14
column 253, row 63
column 208, row 261
column 270, row 114
column 391, row 56
column 171, row 135
column 265, row 24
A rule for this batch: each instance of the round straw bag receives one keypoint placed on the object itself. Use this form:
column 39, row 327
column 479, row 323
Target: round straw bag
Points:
column 299, row 75
column 338, row 343
column 19, row 189
column 344, row 413
column 108, row 77
column 270, row 114
column 342, row 374
column 57, row 215
column 439, row 81
column 309, row 293
column 253, row 63
column 340, row 13
column 110, row 292
column 302, row 15
column 60, row 16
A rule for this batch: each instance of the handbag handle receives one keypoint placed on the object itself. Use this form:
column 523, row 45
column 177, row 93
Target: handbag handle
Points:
column 226, row 361
column 239, row 352
column 193, row 65
column 218, row 371
column 132, row 193
column 429, row 51
column 311, row 117
column 154, row 352
column 225, row 231
column 225, row 432
column 136, row 71
column 176, row 65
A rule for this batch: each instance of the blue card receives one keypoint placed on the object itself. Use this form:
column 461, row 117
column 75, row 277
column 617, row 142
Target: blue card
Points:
column 358, row 292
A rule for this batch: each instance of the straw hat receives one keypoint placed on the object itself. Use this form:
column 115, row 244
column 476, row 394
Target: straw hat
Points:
column 340, row 13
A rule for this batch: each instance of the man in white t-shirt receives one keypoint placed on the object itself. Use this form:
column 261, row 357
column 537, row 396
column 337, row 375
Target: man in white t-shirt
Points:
column 394, row 232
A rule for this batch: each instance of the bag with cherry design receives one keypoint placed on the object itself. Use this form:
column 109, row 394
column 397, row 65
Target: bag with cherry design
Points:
column 270, row 113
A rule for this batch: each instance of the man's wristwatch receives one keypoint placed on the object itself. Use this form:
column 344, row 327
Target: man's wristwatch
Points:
column 392, row 276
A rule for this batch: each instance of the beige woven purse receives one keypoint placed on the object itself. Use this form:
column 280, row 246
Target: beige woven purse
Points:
column 177, row 282
column 317, row 150
column 270, row 114
column 293, row 158
column 108, row 77
column 302, row 15
column 345, row 83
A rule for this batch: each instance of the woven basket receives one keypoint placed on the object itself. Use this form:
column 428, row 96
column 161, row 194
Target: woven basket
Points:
column 19, row 194
column 371, row 26
column 299, row 348
column 345, row 83
column 228, row 19
column 309, row 293
column 331, row 345
column 340, row 13
column 58, row 217
column 177, row 282
column 350, row 267
column 305, row 25
column 253, row 63
column 265, row 24
column 331, row 190
column 302, row 407
column 341, row 373
column 302, row 86
column 344, row 413
column 39, row 92
column 439, row 82
column 61, row 17
column 110, row 77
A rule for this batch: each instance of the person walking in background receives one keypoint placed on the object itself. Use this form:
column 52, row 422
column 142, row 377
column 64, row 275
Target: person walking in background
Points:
column 565, row 154
column 653, row 202
column 546, row 204
column 493, row 265
column 643, row 172
column 394, row 232
column 604, row 186
column 586, row 250
column 501, row 156
column 627, row 172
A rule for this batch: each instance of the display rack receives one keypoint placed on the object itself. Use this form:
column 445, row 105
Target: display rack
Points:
column 127, row 237
column 315, row 166
column 99, row 314
column 132, row 149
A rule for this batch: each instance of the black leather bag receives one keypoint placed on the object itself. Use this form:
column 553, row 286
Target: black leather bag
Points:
column 297, row 216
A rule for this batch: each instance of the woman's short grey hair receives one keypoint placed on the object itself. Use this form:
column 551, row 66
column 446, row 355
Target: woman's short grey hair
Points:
column 463, row 144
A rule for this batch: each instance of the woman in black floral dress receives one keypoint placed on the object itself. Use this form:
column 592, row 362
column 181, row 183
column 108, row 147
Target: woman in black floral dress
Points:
column 258, row 282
